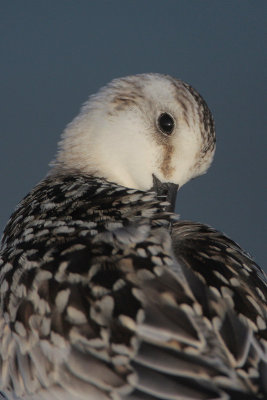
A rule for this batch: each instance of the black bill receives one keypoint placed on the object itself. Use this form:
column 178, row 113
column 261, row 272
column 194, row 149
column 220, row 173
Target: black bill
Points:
column 167, row 191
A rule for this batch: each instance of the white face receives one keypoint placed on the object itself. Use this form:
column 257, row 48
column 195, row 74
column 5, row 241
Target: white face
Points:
column 139, row 126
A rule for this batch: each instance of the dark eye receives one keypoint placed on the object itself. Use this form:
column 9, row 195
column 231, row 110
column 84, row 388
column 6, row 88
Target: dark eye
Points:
column 166, row 123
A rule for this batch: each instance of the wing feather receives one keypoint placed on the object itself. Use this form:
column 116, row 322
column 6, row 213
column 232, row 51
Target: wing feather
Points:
column 116, row 310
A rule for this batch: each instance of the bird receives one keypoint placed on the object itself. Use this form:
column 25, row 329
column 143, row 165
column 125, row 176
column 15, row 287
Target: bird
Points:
column 105, row 292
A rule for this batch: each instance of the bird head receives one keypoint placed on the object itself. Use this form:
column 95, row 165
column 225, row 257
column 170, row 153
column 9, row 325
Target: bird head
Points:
column 140, row 131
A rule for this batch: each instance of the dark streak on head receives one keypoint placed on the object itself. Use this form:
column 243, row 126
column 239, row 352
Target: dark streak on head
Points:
column 206, row 121
column 185, row 111
column 128, row 92
column 166, row 167
column 121, row 101
column 181, row 96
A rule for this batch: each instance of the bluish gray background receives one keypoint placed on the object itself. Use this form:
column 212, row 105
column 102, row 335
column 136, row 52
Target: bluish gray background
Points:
column 55, row 53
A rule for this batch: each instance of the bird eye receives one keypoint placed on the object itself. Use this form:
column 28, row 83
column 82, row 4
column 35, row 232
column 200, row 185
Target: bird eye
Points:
column 166, row 123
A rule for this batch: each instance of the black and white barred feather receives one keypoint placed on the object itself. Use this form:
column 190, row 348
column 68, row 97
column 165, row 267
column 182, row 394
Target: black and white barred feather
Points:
column 104, row 297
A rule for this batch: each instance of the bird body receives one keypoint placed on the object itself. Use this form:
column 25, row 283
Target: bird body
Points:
column 105, row 293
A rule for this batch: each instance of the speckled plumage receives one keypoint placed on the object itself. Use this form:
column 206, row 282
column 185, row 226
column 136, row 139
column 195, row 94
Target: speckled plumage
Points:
column 106, row 295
